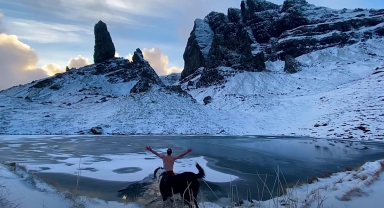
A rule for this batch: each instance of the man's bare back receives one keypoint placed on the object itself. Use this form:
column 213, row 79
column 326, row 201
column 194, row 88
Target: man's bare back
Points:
column 169, row 160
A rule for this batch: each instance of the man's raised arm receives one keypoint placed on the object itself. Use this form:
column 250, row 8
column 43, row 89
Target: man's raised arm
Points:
column 182, row 155
column 154, row 152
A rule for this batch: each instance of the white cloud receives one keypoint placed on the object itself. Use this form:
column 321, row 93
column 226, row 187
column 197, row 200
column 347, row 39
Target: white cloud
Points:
column 159, row 61
column 174, row 70
column 117, row 54
column 78, row 62
column 17, row 62
column 52, row 69
column 2, row 28
column 42, row 32
column 129, row 57
column 86, row 10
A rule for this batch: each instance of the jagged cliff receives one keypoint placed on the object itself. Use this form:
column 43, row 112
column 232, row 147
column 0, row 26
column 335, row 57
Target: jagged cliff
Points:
column 260, row 31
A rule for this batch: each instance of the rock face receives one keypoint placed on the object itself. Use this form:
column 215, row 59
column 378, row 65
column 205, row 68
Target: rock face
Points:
column 113, row 70
column 291, row 65
column 198, row 46
column 260, row 31
column 148, row 76
column 104, row 47
column 209, row 77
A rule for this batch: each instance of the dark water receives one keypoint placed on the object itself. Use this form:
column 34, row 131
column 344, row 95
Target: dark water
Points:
column 248, row 157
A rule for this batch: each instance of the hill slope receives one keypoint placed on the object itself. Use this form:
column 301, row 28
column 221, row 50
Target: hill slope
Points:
column 340, row 88
column 330, row 85
column 340, row 91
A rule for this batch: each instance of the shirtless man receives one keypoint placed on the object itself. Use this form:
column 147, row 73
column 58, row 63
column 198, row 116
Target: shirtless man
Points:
column 168, row 160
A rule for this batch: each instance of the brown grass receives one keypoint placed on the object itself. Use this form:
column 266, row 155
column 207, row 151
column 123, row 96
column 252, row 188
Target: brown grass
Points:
column 349, row 169
column 326, row 175
column 363, row 177
column 355, row 192
column 313, row 179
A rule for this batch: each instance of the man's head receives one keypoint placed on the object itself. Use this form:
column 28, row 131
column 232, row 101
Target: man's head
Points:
column 169, row 151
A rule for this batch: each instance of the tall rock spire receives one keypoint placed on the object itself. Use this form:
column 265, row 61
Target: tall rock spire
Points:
column 104, row 47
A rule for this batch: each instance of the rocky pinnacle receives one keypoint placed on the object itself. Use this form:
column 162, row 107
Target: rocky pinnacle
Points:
column 104, row 47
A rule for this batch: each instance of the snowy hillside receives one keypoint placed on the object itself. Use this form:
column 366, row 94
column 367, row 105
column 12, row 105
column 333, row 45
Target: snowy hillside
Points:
column 170, row 79
column 338, row 94
column 340, row 91
column 155, row 112
column 328, row 85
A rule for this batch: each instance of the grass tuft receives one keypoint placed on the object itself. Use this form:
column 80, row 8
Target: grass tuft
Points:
column 354, row 192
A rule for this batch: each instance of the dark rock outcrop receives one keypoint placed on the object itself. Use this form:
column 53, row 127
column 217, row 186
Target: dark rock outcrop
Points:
column 210, row 77
column 104, row 47
column 207, row 100
column 260, row 31
column 114, row 70
column 97, row 130
column 148, row 76
column 259, row 62
column 44, row 83
column 198, row 46
column 291, row 65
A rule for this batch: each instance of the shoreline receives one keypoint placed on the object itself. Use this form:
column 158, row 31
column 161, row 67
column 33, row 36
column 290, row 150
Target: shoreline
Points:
column 263, row 136
column 369, row 175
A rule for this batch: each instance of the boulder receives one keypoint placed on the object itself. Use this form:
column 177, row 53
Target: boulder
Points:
column 97, row 130
column 207, row 100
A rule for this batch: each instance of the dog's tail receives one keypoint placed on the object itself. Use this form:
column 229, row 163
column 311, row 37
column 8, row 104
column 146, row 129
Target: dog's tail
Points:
column 201, row 173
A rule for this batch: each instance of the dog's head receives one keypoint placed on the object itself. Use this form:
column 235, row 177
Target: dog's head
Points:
column 158, row 173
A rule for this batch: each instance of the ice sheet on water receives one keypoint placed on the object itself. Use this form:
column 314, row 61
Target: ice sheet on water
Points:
column 140, row 165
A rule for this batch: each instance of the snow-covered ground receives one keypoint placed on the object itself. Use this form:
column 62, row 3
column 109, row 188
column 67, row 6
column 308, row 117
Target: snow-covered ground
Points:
column 338, row 94
column 19, row 189
column 352, row 189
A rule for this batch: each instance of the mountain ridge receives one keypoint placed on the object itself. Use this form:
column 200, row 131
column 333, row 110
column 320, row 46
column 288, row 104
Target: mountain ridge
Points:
column 330, row 92
column 263, row 31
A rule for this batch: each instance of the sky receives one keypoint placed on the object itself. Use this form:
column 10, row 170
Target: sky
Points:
column 39, row 38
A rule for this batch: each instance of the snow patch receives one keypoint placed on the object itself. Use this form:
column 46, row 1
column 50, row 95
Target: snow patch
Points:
column 204, row 36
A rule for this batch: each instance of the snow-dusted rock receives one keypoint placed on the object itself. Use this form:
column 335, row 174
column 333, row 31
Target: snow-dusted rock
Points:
column 263, row 29
column 146, row 72
column 198, row 46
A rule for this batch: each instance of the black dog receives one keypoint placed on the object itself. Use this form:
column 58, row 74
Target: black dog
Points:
column 186, row 184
